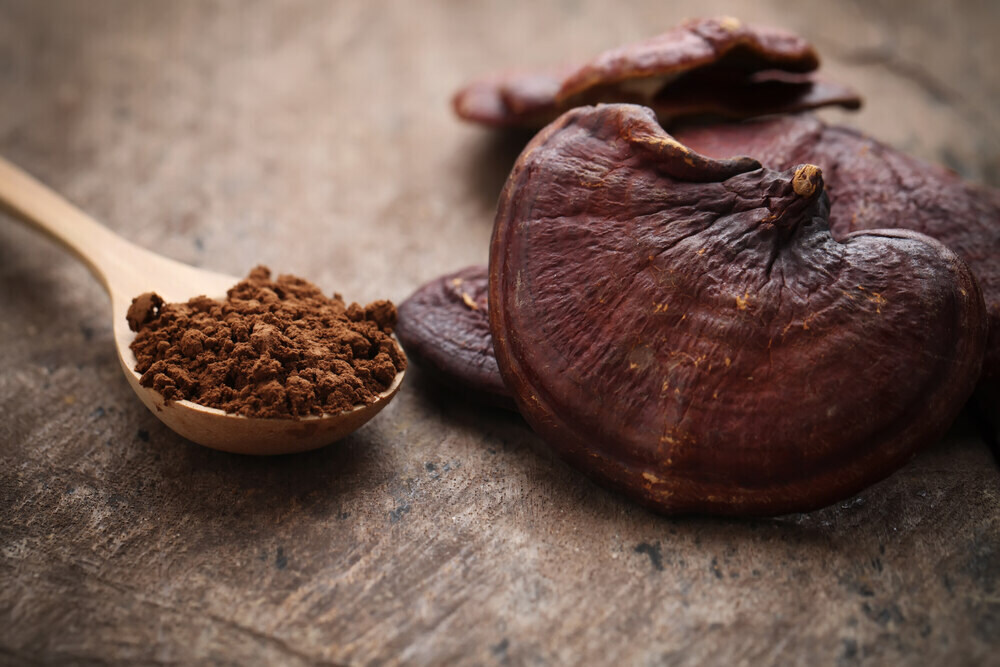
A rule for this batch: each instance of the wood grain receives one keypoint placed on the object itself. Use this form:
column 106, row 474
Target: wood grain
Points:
column 316, row 137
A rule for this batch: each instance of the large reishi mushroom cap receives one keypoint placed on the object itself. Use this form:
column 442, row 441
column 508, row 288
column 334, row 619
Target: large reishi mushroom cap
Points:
column 717, row 66
column 688, row 331
column 872, row 185
column 444, row 327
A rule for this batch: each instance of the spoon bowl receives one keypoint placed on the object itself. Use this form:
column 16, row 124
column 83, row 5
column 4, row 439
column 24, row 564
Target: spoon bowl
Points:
column 126, row 271
column 228, row 432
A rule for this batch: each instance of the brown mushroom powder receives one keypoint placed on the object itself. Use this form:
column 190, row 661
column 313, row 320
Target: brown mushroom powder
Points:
column 271, row 349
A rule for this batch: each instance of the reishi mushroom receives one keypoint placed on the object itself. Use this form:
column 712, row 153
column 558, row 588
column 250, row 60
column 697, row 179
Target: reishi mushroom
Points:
column 869, row 184
column 872, row 185
column 444, row 326
column 686, row 330
column 720, row 66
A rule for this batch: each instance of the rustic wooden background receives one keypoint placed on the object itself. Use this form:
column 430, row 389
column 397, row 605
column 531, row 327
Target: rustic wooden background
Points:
column 316, row 137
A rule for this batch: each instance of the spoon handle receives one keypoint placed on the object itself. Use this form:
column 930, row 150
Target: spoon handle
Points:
column 108, row 256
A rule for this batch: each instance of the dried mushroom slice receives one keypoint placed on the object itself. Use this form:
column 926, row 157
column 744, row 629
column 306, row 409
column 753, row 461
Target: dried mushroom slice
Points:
column 705, row 66
column 872, row 185
column 686, row 329
column 444, row 327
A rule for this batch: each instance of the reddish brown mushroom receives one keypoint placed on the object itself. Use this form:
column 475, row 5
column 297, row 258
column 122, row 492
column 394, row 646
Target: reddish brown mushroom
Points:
column 872, row 185
column 444, row 326
column 686, row 329
column 705, row 66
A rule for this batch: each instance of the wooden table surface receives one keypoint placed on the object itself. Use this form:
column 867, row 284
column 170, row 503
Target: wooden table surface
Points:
column 317, row 138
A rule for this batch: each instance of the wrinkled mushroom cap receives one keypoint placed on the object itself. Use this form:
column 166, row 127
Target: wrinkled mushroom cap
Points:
column 687, row 330
column 872, row 185
column 717, row 66
column 444, row 327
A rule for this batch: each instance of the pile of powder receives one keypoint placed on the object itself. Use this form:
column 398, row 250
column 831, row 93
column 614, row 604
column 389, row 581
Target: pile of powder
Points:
column 272, row 349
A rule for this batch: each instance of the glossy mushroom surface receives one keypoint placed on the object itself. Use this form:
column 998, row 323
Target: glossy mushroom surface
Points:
column 720, row 66
column 873, row 185
column 687, row 330
column 444, row 326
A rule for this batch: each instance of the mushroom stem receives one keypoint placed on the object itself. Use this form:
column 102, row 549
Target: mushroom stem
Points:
column 795, row 205
column 807, row 180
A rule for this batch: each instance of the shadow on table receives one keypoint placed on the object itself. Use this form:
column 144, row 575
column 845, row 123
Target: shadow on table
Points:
column 192, row 479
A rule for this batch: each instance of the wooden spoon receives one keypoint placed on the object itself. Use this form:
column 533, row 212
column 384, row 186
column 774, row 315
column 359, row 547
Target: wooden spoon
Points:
column 126, row 270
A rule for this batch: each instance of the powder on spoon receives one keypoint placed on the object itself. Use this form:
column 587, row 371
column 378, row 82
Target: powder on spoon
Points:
column 271, row 349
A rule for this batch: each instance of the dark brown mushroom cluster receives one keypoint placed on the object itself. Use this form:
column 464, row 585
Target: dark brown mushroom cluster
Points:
column 709, row 333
